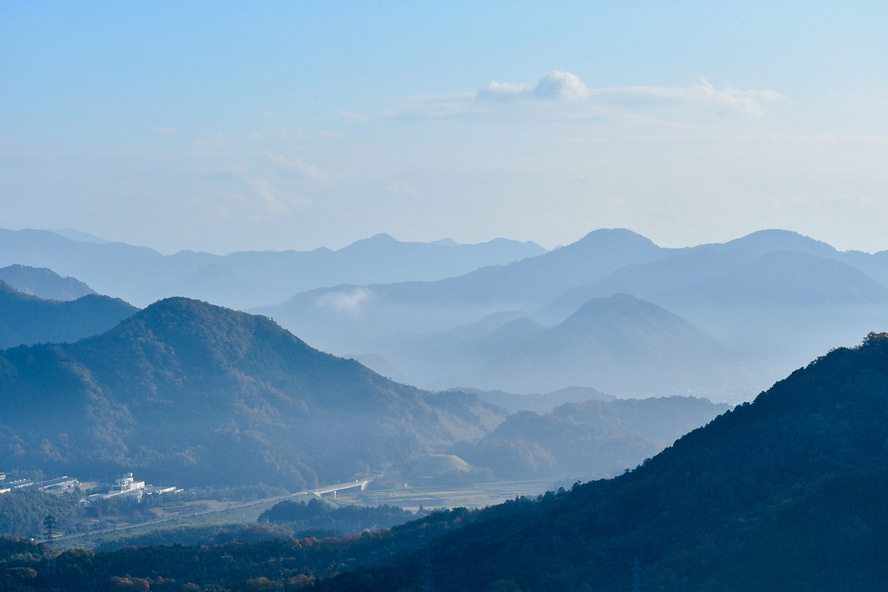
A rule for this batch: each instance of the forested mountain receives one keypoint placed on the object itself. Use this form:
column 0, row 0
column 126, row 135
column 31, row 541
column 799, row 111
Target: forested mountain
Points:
column 44, row 283
column 189, row 393
column 26, row 319
column 247, row 279
column 785, row 493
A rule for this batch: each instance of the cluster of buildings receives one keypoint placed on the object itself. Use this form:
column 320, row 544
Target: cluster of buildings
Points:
column 58, row 485
column 124, row 486
column 128, row 486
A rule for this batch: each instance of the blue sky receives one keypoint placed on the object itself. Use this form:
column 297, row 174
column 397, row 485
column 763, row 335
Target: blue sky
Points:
column 227, row 126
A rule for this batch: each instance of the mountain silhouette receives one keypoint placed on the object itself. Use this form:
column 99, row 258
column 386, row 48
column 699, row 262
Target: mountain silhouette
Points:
column 621, row 345
column 44, row 283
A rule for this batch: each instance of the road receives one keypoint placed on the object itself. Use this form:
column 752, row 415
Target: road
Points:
column 362, row 483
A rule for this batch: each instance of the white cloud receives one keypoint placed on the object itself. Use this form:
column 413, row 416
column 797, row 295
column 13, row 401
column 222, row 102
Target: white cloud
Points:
column 558, row 85
column 565, row 87
column 747, row 102
column 553, row 86
column 505, row 90
column 349, row 302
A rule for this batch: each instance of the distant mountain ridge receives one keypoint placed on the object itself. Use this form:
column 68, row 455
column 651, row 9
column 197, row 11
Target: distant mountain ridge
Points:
column 772, row 299
column 44, row 283
column 246, row 279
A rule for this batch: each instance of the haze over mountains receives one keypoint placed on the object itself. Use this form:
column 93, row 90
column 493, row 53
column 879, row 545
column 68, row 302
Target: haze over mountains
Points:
column 767, row 301
column 612, row 311
column 190, row 393
column 246, row 279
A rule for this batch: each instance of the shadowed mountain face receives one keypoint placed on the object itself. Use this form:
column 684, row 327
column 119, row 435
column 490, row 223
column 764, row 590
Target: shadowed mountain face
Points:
column 756, row 500
column 785, row 493
column 26, row 320
column 190, row 393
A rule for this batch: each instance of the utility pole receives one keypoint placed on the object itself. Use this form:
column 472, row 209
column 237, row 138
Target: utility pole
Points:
column 49, row 532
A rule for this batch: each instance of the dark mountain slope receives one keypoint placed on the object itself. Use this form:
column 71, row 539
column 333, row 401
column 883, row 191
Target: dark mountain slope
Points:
column 191, row 393
column 26, row 319
column 784, row 493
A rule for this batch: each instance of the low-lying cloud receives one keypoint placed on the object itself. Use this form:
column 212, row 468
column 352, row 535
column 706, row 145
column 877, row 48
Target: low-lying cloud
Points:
column 349, row 302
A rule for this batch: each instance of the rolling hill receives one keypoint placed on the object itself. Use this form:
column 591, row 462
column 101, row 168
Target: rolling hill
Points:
column 190, row 393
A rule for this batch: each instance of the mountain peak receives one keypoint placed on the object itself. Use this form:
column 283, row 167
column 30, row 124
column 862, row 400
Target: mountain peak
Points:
column 783, row 240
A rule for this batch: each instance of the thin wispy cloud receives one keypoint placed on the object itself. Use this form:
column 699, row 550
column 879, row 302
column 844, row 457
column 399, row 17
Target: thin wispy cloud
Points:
column 746, row 102
column 294, row 163
column 559, row 87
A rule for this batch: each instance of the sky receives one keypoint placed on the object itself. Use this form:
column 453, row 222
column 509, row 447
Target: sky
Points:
column 226, row 126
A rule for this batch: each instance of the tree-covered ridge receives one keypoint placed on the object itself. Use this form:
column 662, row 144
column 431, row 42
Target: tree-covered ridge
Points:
column 317, row 515
column 784, row 493
column 184, row 392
